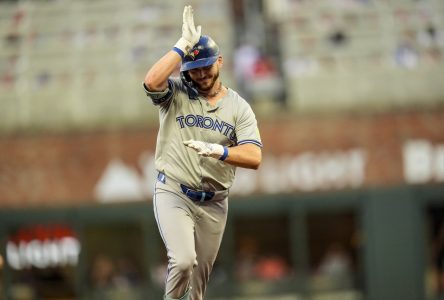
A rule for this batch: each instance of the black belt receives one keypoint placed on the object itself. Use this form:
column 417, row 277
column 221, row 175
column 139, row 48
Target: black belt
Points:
column 200, row 196
column 194, row 195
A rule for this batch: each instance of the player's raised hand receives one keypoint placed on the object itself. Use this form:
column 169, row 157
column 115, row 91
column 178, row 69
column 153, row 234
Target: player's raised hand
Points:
column 190, row 33
column 207, row 149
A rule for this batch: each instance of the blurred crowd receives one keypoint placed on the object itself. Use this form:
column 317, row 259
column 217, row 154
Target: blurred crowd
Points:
column 270, row 47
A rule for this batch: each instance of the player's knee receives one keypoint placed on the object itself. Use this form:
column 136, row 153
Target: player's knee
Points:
column 185, row 264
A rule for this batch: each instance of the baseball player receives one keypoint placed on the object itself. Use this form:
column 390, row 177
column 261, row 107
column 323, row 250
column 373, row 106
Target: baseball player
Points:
column 206, row 131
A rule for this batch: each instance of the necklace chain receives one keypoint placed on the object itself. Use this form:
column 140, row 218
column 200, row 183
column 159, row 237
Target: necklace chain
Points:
column 216, row 92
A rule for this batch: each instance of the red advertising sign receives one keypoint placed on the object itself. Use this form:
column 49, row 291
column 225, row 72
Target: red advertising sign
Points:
column 42, row 246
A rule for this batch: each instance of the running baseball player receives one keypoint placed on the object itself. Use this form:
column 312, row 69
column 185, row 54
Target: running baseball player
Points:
column 206, row 131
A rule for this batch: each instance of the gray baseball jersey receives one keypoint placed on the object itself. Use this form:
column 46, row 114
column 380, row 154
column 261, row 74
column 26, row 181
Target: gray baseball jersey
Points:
column 231, row 122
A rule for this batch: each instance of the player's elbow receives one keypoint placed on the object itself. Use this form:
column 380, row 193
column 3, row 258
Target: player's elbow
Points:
column 256, row 164
column 247, row 156
column 257, row 160
column 154, row 83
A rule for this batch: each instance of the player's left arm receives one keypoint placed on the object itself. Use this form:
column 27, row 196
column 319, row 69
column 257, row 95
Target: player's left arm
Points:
column 247, row 155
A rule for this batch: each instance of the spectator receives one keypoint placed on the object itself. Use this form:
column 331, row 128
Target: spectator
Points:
column 246, row 259
column 108, row 273
column 335, row 269
column 406, row 55
column 103, row 272
column 271, row 267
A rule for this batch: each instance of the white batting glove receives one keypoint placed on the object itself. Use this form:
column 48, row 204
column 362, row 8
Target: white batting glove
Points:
column 207, row 149
column 190, row 33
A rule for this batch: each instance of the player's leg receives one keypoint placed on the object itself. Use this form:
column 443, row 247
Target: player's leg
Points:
column 209, row 229
column 177, row 230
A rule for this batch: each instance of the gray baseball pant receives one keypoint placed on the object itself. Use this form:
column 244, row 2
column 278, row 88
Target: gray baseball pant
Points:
column 192, row 233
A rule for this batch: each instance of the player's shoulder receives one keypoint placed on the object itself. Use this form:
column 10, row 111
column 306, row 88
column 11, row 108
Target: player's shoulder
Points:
column 241, row 105
column 237, row 98
column 179, row 89
column 177, row 83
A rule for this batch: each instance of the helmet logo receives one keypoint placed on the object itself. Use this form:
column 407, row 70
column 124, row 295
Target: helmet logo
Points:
column 194, row 52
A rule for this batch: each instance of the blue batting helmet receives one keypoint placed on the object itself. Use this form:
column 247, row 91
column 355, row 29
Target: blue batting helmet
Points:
column 203, row 54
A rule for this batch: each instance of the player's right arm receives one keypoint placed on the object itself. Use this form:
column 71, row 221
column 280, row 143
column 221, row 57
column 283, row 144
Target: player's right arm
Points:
column 156, row 80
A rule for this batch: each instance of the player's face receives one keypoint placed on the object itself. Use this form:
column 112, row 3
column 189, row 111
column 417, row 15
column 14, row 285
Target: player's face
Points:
column 206, row 77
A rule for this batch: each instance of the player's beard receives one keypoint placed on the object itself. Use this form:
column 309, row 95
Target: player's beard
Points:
column 206, row 89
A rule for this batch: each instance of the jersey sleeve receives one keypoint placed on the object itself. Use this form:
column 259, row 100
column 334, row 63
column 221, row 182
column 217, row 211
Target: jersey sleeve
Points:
column 162, row 98
column 247, row 131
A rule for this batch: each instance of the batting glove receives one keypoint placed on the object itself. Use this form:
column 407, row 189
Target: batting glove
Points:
column 207, row 149
column 190, row 33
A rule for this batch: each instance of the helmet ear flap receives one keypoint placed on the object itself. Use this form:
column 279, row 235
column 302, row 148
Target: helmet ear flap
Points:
column 192, row 91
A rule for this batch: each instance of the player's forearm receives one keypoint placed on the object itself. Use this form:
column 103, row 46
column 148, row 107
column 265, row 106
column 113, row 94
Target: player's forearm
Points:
column 246, row 156
column 157, row 76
